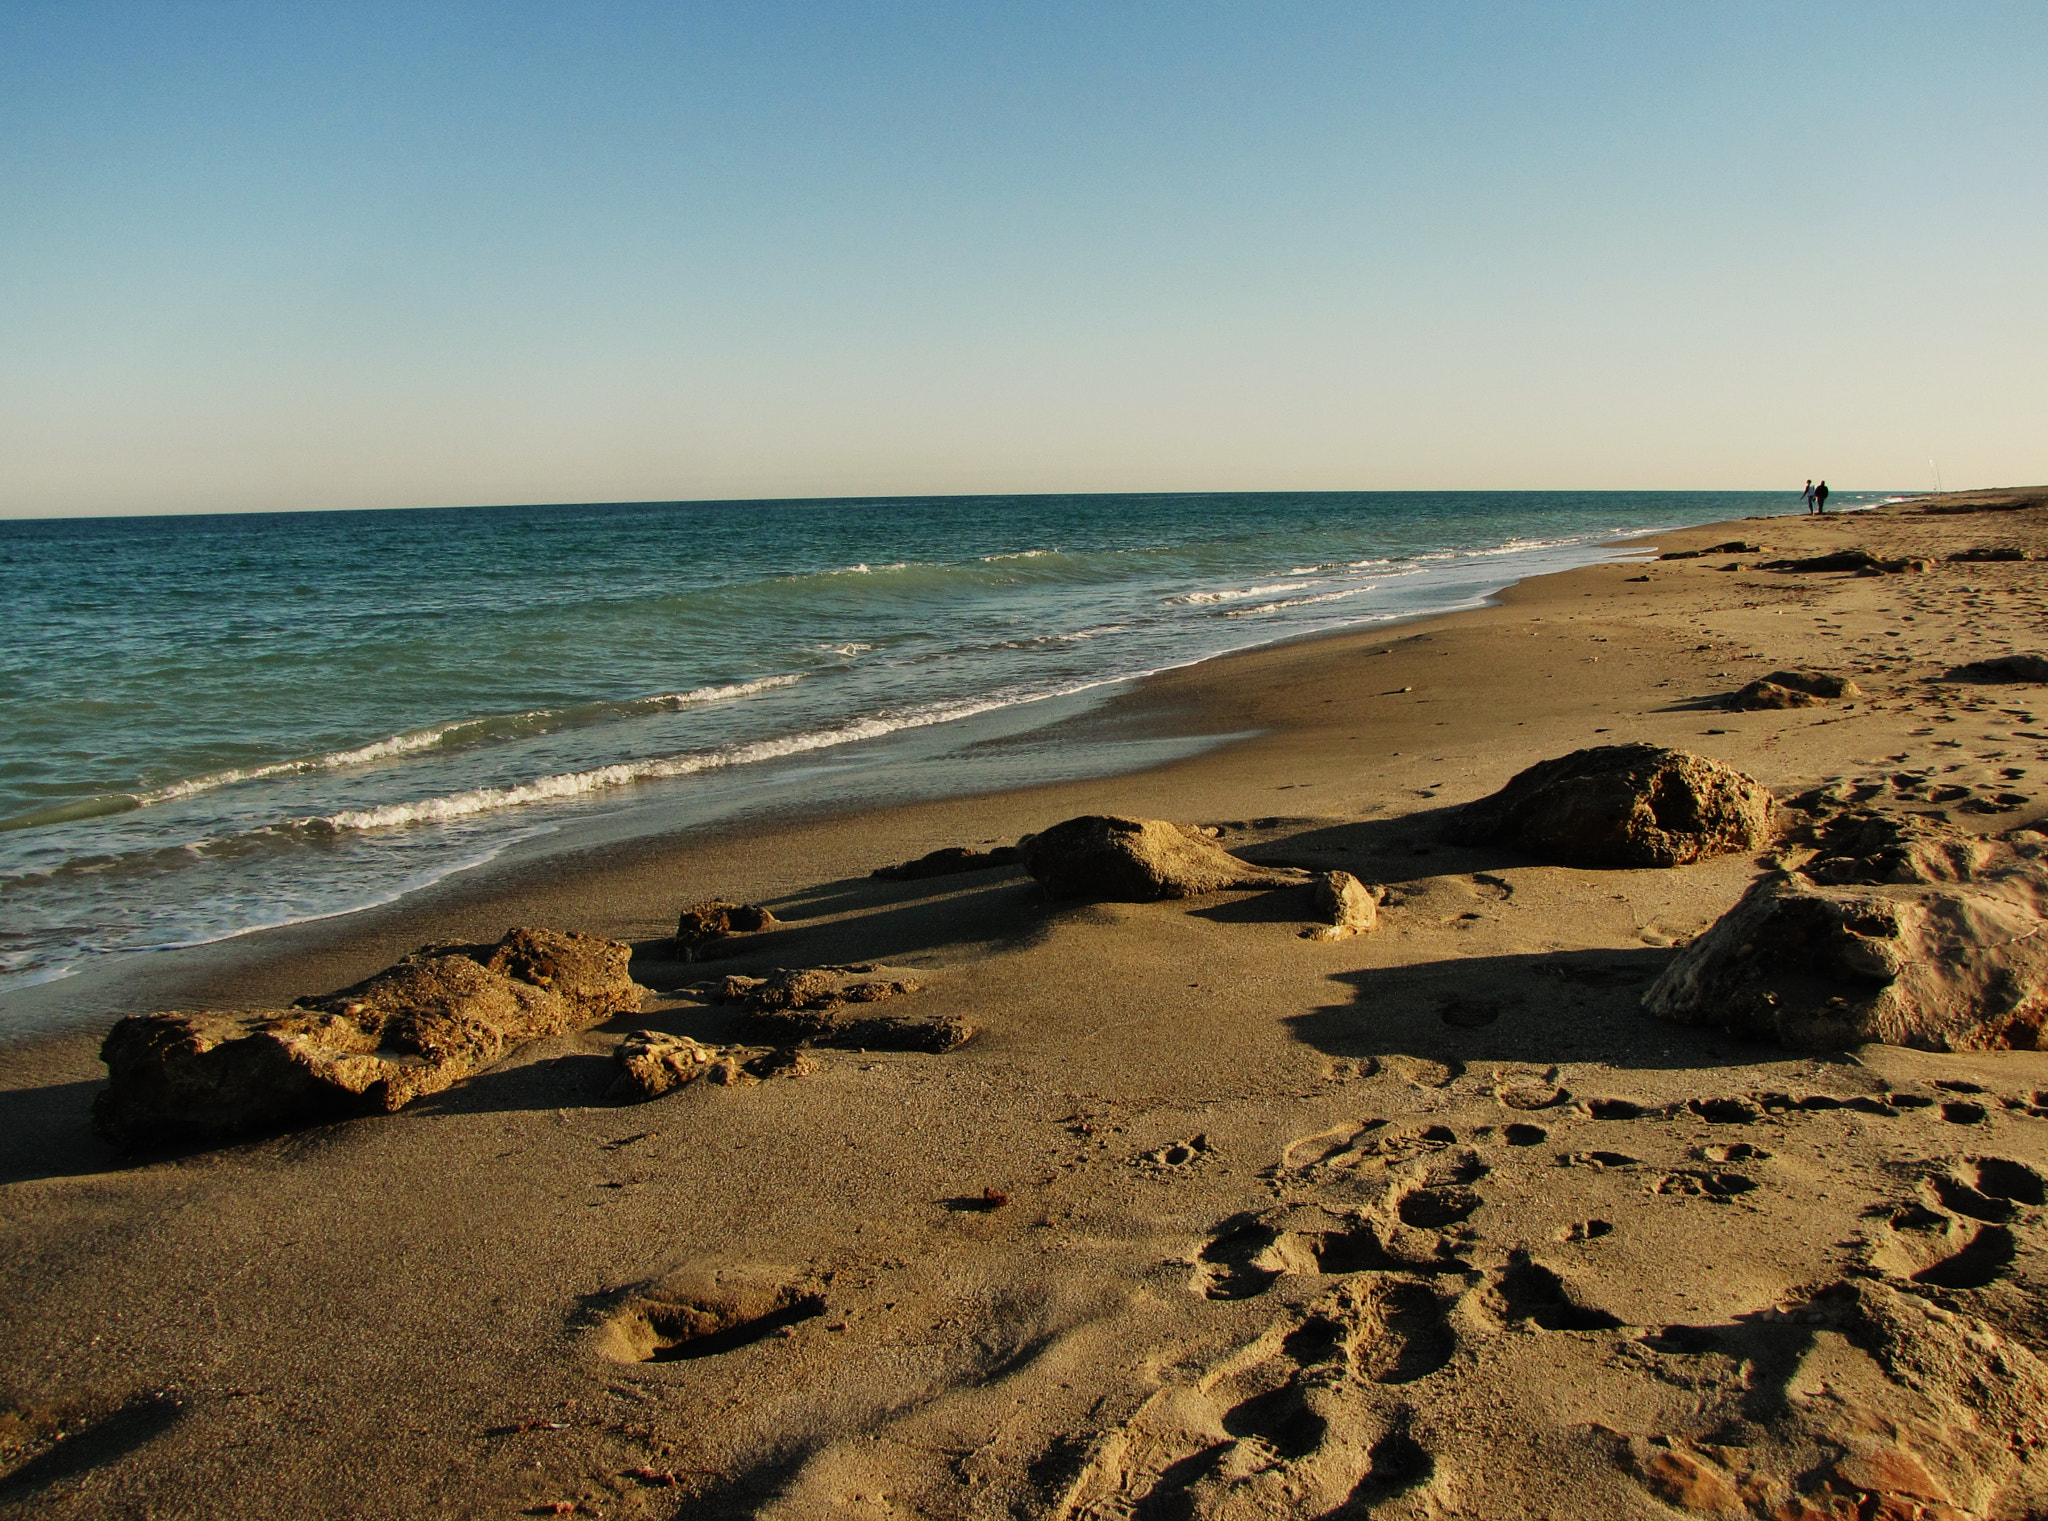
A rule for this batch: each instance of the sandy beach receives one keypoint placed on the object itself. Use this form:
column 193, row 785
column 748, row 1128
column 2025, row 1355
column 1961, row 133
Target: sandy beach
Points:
column 1207, row 1218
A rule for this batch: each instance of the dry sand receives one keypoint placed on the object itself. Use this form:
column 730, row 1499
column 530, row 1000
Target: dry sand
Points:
column 1429, row 1222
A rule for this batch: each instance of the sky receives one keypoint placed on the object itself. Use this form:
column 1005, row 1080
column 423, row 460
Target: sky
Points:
column 264, row 257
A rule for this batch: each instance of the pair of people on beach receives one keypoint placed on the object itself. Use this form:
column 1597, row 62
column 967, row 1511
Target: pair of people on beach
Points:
column 1816, row 496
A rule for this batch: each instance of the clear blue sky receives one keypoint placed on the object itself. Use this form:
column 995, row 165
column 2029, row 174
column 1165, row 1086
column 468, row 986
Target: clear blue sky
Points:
column 274, row 256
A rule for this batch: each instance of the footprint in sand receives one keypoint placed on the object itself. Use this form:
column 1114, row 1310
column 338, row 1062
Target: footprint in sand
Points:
column 1178, row 1156
column 1527, row 1291
column 1281, row 1426
column 1600, row 1161
column 1583, row 1230
column 1958, row 1233
column 1237, row 1263
column 1699, row 1184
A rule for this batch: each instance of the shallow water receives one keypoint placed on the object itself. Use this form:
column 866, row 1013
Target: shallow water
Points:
column 213, row 724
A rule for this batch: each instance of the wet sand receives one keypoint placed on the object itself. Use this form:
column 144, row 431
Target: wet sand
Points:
column 1205, row 1132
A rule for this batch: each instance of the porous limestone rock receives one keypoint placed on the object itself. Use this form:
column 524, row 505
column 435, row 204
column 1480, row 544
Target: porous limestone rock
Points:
column 2007, row 668
column 1622, row 805
column 1815, row 683
column 1928, row 1413
column 653, row 1063
column 444, row 1012
column 1898, row 929
column 831, row 1005
column 704, row 925
column 1121, row 860
column 1769, row 694
column 1344, row 906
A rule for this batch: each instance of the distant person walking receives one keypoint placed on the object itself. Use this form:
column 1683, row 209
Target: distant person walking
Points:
column 1807, row 496
column 1820, row 497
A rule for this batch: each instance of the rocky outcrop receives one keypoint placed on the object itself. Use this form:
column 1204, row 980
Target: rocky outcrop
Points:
column 703, row 927
column 1816, row 683
column 2006, row 668
column 1344, row 906
column 1769, row 694
column 948, row 862
column 416, row 1028
column 833, row 1006
column 1793, row 689
column 653, row 1063
column 1111, row 859
column 1622, row 805
column 1897, row 929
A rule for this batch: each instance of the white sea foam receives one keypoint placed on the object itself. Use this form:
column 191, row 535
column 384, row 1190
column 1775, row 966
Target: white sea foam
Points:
column 575, row 784
column 437, row 737
column 1274, row 607
column 1238, row 594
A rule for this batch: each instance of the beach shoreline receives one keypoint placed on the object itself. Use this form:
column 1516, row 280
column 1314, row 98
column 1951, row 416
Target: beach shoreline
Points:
column 1136, row 710
column 1055, row 1263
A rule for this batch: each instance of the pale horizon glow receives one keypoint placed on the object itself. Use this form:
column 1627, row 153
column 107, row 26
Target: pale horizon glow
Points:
column 260, row 259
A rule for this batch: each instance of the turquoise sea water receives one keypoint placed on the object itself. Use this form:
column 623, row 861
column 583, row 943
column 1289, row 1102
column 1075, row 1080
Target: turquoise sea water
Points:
column 213, row 724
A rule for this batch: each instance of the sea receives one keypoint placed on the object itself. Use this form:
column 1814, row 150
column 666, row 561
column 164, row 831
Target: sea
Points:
column 214, row 724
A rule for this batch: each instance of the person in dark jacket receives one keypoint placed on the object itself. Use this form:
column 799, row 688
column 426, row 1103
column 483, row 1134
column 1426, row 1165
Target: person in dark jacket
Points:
column 1820, row 497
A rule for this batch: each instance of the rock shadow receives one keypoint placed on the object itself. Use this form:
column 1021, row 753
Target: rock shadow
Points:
column 573, row 1081
column 859, row 919
column 109, row 1438
column 1566, row 1006
column 49, row 1133
column 1400, row 848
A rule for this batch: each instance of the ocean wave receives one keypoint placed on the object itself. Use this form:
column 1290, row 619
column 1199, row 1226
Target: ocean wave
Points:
column 1238, row 594
column 459, row 735
column 1274, row 607
column 576, row 784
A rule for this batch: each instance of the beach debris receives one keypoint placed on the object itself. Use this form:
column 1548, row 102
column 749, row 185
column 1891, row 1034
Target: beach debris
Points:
column 706, row 1308
column 1109, row 858
column 832, row 1006
column 1344, row 906
column 442, row 1013
column 1622, row 805
column 653, row 1063
column 707, row 924
column 948, row 862
column 1899, row 929
column 1732, row 547
column 985, row 1202
column 2005, row 668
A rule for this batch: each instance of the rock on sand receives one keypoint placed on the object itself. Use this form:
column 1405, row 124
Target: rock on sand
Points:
column 1622, row 805
column 1119, row 860
column 444, row 1012
column 1900, row 929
